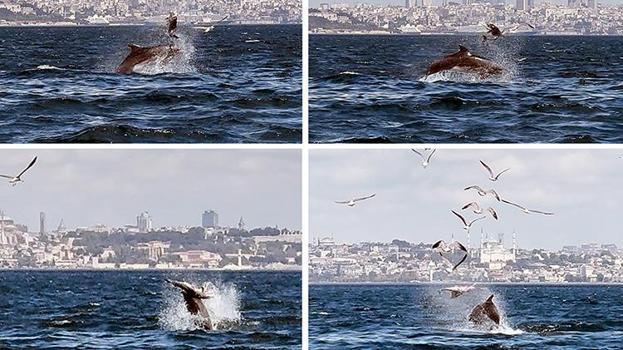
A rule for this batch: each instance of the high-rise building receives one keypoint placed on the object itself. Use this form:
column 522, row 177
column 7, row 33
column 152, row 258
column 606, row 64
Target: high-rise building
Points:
column 42, row 223
column 427, row 3
column 209, row 219
column 143, row 222
column 410, row 3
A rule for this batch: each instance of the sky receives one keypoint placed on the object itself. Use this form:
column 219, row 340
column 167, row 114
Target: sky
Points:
column 582, row 187
column 112, row 187
column 316, row 3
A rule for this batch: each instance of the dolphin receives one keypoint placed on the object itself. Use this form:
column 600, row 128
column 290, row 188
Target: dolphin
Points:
column 172, row 25
column 465, row 61
column 484, row 311
column 140, row 55
column 193, row 297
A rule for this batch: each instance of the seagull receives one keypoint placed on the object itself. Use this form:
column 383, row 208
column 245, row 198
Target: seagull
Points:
column 457, row 291
column 442, row 247
column 467, row 225
column 526, row 210
column 478, row 210
column 493, row 177
column 352, row 202
column 425, row 160
column 14, row 180
column 482, row 192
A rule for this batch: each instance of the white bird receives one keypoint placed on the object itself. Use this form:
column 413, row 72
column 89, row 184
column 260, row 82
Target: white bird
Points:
column 467, row 225
column 425, row 160
column 482, row 192
column 526, row 210
column 14, row 180
column 457, row 291
column 492, row 176
column 478, row 210
column 442, row 247
column 352, row 202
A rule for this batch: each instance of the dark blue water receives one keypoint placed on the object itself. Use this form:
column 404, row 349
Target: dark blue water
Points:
column 557, row 89
column 130, row 310
column 234, row 84
column 418, row 317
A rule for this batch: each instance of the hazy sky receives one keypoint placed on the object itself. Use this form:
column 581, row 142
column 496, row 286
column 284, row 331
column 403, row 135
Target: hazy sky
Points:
column 86, row 187
column 316, row 3
column 582, row 187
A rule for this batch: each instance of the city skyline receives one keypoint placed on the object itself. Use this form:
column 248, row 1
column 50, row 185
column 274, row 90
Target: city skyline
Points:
column 112, row 187
column 316, row 3
column 414, row 204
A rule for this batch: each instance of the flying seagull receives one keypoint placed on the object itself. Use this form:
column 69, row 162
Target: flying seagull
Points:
column 482, row 192
column 13, row 180
column 352, row 202
column 442, row 247
column 493, row 177
column 467, row 225
column 526, row 210
column 425, row 160
column 457, row 291
column 478, row 210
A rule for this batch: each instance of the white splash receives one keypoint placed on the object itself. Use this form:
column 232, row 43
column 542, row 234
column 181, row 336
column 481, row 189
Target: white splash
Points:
column 224, row 309
column 455, row 312
column 48, row 67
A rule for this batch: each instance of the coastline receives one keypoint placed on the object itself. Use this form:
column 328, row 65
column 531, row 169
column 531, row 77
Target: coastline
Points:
column 380, row 33
column 90, row 269
column 97, row 25
column 439, row 283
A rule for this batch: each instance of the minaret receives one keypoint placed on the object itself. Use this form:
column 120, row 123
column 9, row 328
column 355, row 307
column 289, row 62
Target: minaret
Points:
column 514, row 245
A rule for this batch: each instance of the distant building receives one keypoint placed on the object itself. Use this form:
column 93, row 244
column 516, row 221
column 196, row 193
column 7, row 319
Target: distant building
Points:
column 427, row 3
column 209, row 219
column 42, row 223
column 324, row 6
column 410, row 3
column 143, row 222
column 524, row 5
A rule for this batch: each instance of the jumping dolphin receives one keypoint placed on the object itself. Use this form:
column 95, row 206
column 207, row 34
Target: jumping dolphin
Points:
column 465, row 61
column 172, row 25
column 484, row 311
column 193, row 297
column 494, row 31
column 140, row 55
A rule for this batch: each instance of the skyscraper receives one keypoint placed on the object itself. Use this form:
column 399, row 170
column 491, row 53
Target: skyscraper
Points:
column 143, row 222
column 41, row 223
column 410, row 3
column 209, row 219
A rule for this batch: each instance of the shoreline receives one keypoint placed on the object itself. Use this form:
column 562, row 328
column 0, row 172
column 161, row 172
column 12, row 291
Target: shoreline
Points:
column 76, row 25
column 56, row 269
column 440, row 283
column 462, row 34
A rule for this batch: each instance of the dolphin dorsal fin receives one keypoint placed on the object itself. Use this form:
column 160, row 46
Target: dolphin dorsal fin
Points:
column 463, row 50
column 490, row 299
column 134, row 47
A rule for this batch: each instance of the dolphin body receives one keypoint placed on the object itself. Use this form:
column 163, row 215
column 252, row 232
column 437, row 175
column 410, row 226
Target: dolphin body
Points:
column 194, row 304
column 484, row 312
column 465, row 61
column 140, row 55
